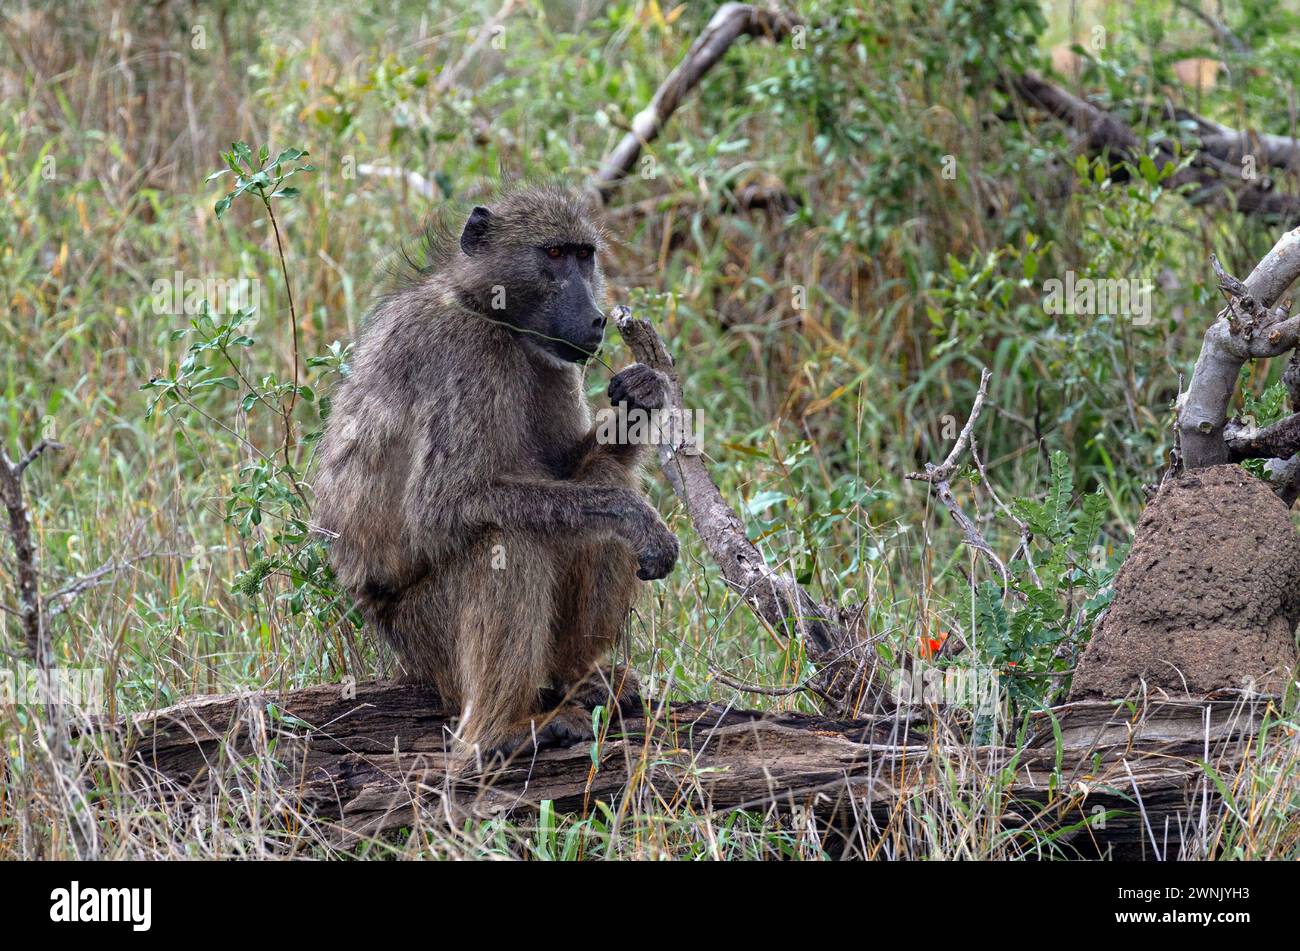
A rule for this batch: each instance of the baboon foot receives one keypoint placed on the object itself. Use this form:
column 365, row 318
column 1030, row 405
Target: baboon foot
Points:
column 561, row 727
column 609, row 687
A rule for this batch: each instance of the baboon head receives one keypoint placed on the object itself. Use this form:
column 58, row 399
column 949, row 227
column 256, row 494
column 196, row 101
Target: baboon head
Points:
column 531, row 261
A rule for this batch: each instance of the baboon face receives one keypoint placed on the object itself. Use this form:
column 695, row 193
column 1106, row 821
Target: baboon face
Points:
column 532, row 263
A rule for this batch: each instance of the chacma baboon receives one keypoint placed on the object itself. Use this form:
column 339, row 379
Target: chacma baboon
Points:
column 482, row 527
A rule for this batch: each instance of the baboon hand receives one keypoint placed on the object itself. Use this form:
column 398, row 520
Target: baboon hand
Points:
column 657, row 552
column 640, row 387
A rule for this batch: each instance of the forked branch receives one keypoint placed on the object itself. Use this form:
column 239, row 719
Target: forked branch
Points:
column 1249, row 327
column 937, row 477
column 775, row 597
column 732, row 21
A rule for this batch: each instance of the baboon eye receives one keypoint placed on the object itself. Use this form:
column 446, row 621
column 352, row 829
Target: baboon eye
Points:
column 584, row 252
column 554, row 251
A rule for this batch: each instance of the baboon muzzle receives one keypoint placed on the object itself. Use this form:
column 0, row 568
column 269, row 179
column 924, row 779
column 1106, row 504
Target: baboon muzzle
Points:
column 582, row 322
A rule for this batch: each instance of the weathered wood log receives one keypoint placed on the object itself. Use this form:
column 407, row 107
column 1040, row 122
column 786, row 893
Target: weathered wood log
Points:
column 374, row 759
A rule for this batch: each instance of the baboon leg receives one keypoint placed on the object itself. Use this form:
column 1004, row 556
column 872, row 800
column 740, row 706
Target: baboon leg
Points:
column 414, row 623
column 593, row 600
column 505, row 587
column 596, row 592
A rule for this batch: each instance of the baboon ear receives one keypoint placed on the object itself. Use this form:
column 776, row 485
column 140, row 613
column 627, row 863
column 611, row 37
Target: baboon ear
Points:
column 476, row 228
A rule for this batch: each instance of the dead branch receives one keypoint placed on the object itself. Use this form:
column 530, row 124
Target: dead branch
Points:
column 1212, row 180
column 21, row 465
column 1229, row 145
column 448, row 77
column 53, row 733
column 732, row 21
column 776, row 598
column 1234, row 145
column 1220, row 30
column 35, row 610
column 1248, row 328
column 943, row 471
column 1026, row 534
column 937, row 477
column 1284, row 474
column 1280, row 440
column 58, row 601
column 26, row 569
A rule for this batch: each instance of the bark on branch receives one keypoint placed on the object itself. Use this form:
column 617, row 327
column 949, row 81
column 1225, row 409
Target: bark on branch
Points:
column 1248, row 328
column 1280, row 440
column 34, row 610
column 1213, row 176
column 775, row 597
column 937, row 477
column 26, row 569
column 1232, row 146
column 1268, row 149
column 732, row 21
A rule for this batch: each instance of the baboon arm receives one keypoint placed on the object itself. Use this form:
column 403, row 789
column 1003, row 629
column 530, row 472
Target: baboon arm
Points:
column 612, row 448
column 548, row 506
column 603, row 463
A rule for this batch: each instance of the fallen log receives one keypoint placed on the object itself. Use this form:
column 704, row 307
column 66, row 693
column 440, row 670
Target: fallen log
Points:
column 1096, row 777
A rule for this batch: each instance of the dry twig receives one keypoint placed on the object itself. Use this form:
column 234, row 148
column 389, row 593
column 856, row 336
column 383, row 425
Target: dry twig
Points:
column 26, row 569
column 937, row 477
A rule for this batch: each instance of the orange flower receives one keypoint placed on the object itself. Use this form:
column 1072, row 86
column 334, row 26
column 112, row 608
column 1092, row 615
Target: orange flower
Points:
column 930, row 646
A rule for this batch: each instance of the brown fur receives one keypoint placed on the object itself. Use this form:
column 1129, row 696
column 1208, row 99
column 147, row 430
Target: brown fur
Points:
column 484, row 531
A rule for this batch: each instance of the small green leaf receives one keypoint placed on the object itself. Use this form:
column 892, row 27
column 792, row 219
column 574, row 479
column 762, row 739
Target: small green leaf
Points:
column 764, row 500
column 1147, row 168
